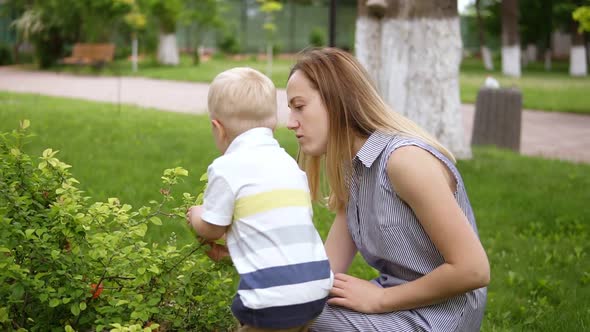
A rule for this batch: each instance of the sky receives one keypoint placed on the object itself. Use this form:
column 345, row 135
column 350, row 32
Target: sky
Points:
column 463, row 3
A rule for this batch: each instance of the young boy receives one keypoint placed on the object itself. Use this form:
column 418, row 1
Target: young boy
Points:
column 258, row 196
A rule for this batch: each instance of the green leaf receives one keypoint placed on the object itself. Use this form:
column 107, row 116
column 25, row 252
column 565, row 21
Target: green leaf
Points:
column 68, row 328
column 145, row 210
column 54, row 303
column 29, row 232
column 203, row 177
column 24, row 124
column 154, row 269
column 121, row 302
column 180, row 171
column 156, row 221
column 4, row 315
column 75, row 309
column 82, row 306
column 40, row 231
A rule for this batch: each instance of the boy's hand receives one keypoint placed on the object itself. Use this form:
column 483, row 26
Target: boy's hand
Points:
column 217, row 251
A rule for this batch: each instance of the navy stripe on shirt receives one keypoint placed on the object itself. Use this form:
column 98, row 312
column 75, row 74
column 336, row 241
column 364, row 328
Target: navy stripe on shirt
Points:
column 281, row 317
column 285, row 275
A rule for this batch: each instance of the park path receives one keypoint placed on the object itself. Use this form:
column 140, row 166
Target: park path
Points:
column 548, row 134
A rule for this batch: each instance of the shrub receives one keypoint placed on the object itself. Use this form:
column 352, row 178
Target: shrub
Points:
column 317, row 37
column 69, row 263
column 228, row 43
column 5, row 55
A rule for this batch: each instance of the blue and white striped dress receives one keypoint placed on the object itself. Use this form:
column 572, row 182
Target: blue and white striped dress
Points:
column 391, row 239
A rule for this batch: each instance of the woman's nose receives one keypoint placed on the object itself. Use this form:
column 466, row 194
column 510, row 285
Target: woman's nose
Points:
column 292, row 123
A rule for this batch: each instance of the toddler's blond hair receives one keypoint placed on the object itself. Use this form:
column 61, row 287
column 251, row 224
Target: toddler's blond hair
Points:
column 243, row 98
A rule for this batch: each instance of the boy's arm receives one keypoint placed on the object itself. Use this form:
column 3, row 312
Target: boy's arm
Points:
column 212, row 219
column 204, row 229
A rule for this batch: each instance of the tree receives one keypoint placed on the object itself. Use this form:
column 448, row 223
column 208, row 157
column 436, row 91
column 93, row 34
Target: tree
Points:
column 563, row 13
column 167, row 13
column 582, row 16
column 269, row 8
column 412, row 50
column 136, row 20
column 510, row 39
column 51, row 25
column 485, row 51
column 200, row 15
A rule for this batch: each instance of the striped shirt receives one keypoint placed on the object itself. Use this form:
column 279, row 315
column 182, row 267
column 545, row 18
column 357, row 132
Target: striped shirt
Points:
column 391, row 239
column 258, row 189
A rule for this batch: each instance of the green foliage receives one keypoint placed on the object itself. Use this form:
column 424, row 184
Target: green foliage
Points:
column 582, row 16
column 167, row 12
column 317, row 37
column 269, row 8
column 5, row 55
column 228, row 43
column 53, row 24
column 67, row 263
column 201, row 15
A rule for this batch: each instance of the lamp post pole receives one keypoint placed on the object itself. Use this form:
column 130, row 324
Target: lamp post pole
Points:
column 332, row 29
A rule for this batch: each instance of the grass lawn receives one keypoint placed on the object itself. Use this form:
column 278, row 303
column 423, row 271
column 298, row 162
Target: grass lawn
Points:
column 533, row 214
column 541, row 90
column 551, row 91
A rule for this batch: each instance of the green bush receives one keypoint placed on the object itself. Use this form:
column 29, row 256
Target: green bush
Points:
column 69, row 263
column 228, row 44
column 277, row 48
column 317, row 37
column 5, row 55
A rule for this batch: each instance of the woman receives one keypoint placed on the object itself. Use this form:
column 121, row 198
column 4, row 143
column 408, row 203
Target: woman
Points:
column 399, row 201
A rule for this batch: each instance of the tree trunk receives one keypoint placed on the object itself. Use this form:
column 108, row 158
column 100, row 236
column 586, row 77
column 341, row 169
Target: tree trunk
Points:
column 510, row 39
column 168, row 49
column 413, row 54
column 486, row 55
column 134, row 52
column 578, row 65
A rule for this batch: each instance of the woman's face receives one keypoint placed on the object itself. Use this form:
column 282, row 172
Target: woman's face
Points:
column 308, row 117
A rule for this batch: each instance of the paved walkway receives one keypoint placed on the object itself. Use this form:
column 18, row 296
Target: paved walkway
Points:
column 552, row 135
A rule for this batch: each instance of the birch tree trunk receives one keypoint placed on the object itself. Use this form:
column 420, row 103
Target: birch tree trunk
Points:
column 486, row 55
column 168, row 49
column 578, row 65
column 510, row 39
column 413, row 54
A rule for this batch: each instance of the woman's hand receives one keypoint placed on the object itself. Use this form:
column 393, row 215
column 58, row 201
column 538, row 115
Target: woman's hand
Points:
column 356, row 294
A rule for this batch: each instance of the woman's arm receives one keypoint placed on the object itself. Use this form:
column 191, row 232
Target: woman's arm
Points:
column 339, row 245
column 427, row 186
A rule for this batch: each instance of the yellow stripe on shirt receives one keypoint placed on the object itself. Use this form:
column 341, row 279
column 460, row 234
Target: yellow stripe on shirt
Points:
column 270, row 200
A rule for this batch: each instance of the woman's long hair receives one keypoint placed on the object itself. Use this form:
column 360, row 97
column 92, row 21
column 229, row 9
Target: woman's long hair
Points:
column 355, row 109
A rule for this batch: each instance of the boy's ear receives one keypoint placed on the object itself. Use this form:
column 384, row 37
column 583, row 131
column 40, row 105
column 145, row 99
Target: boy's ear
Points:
column 219, row 127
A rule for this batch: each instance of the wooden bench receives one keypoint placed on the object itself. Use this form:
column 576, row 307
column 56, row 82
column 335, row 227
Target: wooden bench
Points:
column 96, row 55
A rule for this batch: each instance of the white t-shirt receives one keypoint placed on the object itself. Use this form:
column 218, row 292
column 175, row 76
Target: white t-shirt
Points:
column 258, row 190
